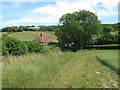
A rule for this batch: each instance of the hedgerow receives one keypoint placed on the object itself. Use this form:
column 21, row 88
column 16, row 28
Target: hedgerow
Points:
column 107, row 46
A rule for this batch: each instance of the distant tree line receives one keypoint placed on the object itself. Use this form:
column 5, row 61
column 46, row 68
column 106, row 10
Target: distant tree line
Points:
column 113, row 27
column 28, row 28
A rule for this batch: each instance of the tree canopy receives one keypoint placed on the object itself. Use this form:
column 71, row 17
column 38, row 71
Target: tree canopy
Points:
column 78, row 29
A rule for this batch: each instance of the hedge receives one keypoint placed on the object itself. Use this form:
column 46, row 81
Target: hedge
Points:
column 107, row 46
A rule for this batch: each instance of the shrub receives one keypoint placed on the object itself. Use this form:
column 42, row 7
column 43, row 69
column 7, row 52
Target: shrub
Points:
column 108, row 38
column 54, row 48
column 36, row 47
column 13, row 46
column 45, row 49
column 33, row 46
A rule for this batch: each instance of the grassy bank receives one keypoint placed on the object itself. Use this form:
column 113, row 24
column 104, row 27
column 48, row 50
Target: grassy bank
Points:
column 58, row 69
column 110, row 59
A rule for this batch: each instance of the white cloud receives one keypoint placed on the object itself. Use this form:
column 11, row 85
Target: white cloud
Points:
column 1, row 17
column 63, row 7
column 52, row 13
column 30, row 20
column 110, row 6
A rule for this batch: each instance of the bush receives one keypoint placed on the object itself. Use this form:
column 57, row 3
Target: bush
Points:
column 36, row 47
column 108, row 39
column 33, row 46
column 54, row 48
column 45, row 49
column 13, row 46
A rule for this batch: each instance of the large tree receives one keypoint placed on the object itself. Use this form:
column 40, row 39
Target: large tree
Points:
column 78, row 29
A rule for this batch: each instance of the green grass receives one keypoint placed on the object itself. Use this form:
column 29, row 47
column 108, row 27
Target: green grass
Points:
column 57, row 70
column 31, row 35
column 110, row 59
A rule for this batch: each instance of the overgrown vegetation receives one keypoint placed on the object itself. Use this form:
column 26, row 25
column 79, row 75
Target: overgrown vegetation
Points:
column 11, row 45
column 57, row 70
column 36, row 47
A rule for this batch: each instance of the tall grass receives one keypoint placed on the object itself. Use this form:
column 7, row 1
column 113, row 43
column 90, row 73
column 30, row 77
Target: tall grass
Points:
column 57, row 70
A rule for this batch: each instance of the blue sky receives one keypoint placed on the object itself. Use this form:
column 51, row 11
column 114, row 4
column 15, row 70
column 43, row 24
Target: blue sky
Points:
column 16, row 13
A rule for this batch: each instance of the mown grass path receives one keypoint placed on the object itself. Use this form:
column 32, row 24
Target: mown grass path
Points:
column 58, row 70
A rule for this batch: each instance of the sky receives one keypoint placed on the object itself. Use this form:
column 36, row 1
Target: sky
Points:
column 48, row 12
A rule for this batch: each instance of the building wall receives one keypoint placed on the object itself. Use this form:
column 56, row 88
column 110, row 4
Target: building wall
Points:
column 44, row 43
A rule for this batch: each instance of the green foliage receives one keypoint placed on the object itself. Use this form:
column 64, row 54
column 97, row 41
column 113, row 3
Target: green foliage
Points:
column 115, row 27
column 45, row 49
column 109, row 36
column 54, row 48
column 108, row 39
column 28, row 28
column 12, row 29
column 108, row 46
column 36, row 47
column 46, row 28
column 13, row 46
column 33, row 46
column 107, row 29
column 78, row 29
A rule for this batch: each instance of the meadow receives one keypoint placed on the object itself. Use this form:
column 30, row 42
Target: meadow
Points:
column 58, row 69
column 31, row 35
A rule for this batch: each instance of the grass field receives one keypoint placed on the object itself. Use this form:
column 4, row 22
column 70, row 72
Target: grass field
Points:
column 109, row 59
column 58, row 70
column 31, row 35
